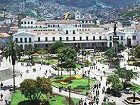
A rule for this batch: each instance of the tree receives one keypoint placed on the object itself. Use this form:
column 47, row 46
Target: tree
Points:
column 114, row 80
column 29, row 52
column 67, row 57
column 137, row 51
column 33, row 89
column 12, row 52
column 56, row 45
column 120, row 47
column 127, row 75
column 110, row 53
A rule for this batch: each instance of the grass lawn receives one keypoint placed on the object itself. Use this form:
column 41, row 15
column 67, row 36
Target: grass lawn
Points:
column 135, row 88
column 54, row 100
column 17, row 97
column 82, row 82
column 36, row 59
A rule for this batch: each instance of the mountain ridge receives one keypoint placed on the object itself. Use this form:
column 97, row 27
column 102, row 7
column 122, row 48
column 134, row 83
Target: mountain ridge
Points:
column 85, row 3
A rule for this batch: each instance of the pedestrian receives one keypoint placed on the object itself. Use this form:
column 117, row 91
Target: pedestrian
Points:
column 59, row 89
column 104, row 99
column 95, row 86
column 103, row 90
column 99, row 84
column 85, row 103
column 1, row 96
column 101, row 78
column 98, row 92
column 74, row 72
column 1, row 84
column 97, row 100
column 106, row 83
column 94, row 98
column 20, row 75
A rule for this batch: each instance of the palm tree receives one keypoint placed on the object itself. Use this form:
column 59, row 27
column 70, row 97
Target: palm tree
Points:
column 11, row 51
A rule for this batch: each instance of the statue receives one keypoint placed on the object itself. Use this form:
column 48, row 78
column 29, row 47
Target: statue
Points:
column 115, row 27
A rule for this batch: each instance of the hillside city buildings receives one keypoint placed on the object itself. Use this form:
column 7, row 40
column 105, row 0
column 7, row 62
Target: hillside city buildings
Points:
column 82, row 32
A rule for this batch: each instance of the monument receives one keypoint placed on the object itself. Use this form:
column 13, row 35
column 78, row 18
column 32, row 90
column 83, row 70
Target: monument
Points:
column 115, row 39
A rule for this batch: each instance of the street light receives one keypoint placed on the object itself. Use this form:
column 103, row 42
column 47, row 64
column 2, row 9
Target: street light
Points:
column 89, row 79
column 69, row 89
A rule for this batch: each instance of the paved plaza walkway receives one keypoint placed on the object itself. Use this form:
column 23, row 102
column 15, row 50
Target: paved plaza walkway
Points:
column 95, row 72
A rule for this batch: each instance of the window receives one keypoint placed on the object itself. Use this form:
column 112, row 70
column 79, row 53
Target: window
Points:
column 21, row 22
column 73, row 31
column 30, row 40
column 93, row 37
column 102, row 43
column 60, row 38
column 16, row 40
column 80, row 38
column 66, row 31
column 134, row 37
column 28, row 22
column 25, row 40
column 31, row 22
column 121, row 37
column 53, row 38
column 38, row 39
column 86, row 37
column 99, row 37
column 46, row 38
column 110, row 37
column 24, row 22
column 73, row 38
column 67, row 38
column 20, row 40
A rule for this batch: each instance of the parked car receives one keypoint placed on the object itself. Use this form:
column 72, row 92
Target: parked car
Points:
column 128, row 91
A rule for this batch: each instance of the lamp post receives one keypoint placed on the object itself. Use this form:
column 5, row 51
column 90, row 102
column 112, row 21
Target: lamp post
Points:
column 69, row 89
column 115, row 39
column 134, row 97
column 89, row 79
column 82, row 70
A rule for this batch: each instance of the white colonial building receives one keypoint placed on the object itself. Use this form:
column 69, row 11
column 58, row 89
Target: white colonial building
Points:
column 71, row 32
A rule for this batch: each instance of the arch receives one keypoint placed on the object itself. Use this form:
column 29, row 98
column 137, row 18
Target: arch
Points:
column 110, row 44
column 26, row 47
column 21, row 47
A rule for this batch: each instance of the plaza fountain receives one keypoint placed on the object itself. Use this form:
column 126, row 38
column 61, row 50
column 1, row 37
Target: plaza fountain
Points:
column 133, row 100
column 5, row 69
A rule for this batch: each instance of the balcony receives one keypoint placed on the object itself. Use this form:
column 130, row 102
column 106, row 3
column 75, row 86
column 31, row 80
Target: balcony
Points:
column 71, row 41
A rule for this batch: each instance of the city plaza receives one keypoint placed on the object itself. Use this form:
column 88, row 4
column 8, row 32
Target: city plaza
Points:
column 73, row 33
column 96, row 71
